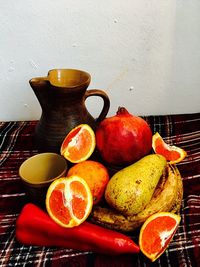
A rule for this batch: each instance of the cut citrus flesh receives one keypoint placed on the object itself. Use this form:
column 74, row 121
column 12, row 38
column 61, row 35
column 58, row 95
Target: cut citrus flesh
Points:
column 157, row 232
column 79, row 144
column 173, row 154
column 69, row 201
column 96, row 176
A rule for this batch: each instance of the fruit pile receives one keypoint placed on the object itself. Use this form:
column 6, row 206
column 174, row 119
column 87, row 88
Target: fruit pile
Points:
column 144, row 194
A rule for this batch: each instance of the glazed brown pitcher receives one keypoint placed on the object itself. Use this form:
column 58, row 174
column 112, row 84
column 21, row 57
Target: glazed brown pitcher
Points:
column 62, row 96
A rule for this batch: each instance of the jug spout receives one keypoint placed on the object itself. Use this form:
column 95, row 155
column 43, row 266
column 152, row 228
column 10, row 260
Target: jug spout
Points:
column 40, row 87
column 38, row 83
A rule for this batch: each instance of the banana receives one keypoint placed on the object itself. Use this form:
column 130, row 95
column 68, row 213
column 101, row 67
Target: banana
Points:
column 167, row 197
column 177, row 204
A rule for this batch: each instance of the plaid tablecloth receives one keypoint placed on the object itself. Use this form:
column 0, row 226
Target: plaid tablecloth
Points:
column 16, row 145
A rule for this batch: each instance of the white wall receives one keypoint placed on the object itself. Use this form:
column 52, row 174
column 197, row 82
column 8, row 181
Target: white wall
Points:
column 144, row 53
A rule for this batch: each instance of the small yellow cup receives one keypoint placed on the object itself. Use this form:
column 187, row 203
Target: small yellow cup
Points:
column 38, row 172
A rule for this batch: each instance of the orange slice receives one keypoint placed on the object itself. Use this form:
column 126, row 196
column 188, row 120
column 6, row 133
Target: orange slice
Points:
column 173, row 154
column 79, row 144
column 157, row 232
column 69, row 201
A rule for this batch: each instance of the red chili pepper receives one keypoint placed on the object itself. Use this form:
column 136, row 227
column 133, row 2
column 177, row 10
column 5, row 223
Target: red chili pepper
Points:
column 35, row 227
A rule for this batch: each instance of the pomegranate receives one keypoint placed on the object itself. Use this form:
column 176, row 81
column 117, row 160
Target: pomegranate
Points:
column 123, row 139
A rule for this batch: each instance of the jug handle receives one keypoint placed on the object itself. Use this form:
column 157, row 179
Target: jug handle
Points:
column 106, row 102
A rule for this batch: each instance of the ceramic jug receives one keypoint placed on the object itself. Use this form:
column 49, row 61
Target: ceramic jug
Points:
column 62, row 96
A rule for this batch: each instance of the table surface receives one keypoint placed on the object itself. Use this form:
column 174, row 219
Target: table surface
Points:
column 16, row 145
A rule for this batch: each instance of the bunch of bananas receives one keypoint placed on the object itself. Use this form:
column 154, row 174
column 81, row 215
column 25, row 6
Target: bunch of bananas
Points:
column 166, row 197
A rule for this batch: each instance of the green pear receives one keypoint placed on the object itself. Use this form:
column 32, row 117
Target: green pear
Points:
column 130, row 189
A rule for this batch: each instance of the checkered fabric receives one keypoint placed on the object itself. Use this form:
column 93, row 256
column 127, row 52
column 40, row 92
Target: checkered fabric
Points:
column 16, row 145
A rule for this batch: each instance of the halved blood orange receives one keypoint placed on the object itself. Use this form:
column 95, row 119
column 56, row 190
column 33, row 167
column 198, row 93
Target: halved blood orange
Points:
column 173, row 154
column 79, row 144
column 69, row 201
column 157, row 232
